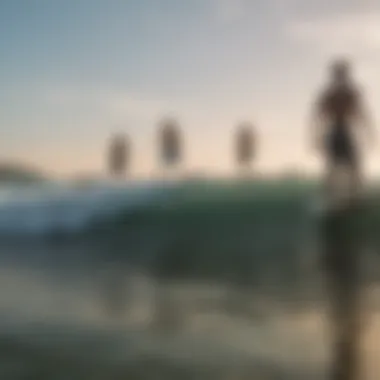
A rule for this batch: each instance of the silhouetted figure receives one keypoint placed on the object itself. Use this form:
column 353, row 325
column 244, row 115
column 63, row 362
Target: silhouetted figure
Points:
column 245, row 149
column 118, row 156
column 170, row 143
column 339, row 116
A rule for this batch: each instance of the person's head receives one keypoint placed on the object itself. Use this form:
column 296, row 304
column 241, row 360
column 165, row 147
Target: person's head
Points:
column 340, row 71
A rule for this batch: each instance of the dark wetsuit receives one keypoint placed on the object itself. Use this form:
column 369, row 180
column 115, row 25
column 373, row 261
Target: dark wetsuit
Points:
column 339, row 104
column 341, row 147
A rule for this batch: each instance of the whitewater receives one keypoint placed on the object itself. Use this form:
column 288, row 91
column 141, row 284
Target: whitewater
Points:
column 59, row 207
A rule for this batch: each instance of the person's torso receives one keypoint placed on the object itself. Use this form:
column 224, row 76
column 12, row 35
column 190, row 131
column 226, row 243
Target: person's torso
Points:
column 340, row 105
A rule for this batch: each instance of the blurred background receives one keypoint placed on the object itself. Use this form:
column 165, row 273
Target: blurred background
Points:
column 157, row 187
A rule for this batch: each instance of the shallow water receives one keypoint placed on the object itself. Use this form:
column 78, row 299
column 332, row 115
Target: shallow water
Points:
column 213, row 282
column 70, row 318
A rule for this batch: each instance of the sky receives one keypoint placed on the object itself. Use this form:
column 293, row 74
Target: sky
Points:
column 73, row 72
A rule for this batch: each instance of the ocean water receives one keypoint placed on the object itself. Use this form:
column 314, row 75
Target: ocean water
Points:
column 150, row 280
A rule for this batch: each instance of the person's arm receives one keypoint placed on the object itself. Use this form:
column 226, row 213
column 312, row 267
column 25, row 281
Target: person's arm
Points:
column 317, row 124
column 366, row 121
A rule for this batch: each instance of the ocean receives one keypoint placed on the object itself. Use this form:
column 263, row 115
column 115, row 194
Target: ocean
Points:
column 199, row 279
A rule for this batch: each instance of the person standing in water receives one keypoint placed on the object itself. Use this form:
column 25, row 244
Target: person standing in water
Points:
column 245, row 146
column 118, row 156
column 170, row 145
column 339, row 117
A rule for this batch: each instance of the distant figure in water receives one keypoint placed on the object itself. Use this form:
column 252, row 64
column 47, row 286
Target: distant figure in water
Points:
column 245, row 148
column 170, row 141
column 339, row 116
column 118, row 156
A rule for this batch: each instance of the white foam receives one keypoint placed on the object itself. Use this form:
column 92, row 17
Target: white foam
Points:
column 64, row 208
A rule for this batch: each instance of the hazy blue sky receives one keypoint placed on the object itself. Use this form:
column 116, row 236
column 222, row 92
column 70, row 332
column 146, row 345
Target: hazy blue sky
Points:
column 73, row 71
